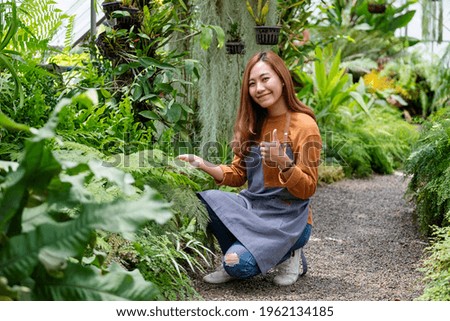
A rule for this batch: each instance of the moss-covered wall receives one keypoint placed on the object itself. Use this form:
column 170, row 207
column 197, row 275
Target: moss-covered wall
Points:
column 220, row 83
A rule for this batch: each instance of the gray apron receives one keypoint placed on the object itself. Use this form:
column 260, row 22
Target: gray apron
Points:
column 267, row 221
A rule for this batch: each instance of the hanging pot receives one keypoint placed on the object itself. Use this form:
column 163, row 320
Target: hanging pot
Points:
column 127, row 21
column 109, row 7
column 267, row 35
column 235, row 47
column 376, row 8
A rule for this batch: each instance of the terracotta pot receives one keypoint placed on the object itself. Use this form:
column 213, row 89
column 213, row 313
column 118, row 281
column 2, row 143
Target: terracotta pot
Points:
column 267, row 35
column 235, row 48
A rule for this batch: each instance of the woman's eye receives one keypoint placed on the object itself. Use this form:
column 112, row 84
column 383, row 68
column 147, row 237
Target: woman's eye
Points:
column 265, row 78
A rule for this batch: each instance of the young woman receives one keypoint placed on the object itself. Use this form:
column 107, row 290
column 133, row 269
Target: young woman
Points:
column 277, row 151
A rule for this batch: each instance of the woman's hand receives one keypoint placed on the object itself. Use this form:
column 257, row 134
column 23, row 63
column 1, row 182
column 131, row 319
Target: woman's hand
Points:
column 196, row 161
column 273, row 153
column 192, row 159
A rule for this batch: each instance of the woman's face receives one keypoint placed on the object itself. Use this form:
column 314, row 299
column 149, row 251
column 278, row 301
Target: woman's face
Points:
column 265, row 86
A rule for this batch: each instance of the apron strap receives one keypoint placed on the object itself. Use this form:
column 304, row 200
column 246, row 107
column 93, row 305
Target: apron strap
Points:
column 286, row 130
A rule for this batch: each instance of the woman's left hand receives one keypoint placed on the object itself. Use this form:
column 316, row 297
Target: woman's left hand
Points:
column 273, row 153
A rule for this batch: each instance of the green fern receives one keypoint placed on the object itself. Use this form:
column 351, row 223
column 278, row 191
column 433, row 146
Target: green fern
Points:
column 436, row 267
column 40, row 23
column 41, row 244
column 430, row 166
column 68, row 39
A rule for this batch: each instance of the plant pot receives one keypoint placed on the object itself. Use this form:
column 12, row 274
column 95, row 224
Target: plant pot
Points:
column 235, row 47
column 127, row 22
column 376, row 8
column 109, row 7
column 267, row 35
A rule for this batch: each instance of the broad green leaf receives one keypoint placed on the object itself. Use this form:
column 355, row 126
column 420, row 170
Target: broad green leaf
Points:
column 181, row 2
column 337, row 83
column 35, row 216
column 220, row 36
column 35, row 171
column 149, row 114
column 123, row 180
column 264, row 12
column 19, row 256
column 334, row 70
column 402, row 20
column 206, row 37
column 320, row 72
column 250, row 10
column 360, row 100
column 18, row 90
column 88, row 283
column 158, row 102
column 9, row 124
column 173, row 114
column 150, row 62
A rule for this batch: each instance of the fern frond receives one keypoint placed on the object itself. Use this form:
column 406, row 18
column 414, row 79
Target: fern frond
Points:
column 68, row 39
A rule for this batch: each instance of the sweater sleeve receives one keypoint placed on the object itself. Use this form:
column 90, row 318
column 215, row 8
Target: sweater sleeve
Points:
column 235, row 174
column 301, row 180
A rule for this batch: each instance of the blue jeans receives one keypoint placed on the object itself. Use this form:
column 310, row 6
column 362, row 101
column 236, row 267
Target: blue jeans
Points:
column 238, row 261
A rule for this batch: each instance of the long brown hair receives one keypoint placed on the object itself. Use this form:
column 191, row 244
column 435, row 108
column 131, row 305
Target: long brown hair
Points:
column 250, row 116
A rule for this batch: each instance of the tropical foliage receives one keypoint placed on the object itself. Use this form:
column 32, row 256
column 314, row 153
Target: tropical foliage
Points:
column 92, row 197
column 48, row 222
column 436, row 267
column 351, row 119
column 430, row 166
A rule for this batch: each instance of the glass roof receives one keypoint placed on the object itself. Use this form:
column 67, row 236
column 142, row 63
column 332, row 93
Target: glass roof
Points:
column 81, row 9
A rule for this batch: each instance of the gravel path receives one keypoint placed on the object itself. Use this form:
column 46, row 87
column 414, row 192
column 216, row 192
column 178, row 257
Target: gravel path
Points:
column 364, row 247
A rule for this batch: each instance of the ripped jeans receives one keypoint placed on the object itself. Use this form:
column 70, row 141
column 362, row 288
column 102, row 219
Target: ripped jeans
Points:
column 238, row 261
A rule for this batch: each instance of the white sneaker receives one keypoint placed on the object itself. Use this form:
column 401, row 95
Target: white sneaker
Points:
column 218, row 276
column 288, row 271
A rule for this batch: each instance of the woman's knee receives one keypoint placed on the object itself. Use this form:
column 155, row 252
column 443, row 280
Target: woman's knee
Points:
column 240, row 264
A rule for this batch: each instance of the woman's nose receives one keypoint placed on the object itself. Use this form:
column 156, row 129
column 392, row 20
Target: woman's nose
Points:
column 259, row 87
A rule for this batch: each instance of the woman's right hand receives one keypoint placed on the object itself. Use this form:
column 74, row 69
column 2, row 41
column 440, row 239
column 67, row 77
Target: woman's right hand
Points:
column 196, row 161
column 192, row 159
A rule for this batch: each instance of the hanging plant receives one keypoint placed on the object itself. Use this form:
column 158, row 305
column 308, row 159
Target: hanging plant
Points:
column 234, row 45
column 265, row 35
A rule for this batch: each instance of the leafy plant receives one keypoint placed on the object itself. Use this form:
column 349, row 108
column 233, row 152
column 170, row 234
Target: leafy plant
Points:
column 259, row 12
column 429, row 166
column 359, row 132
column 293, row 18
column 332, row 87
column 164, row 254
column 10, row 23
column 234, row 32
column 40, row 20
column 436, row 267
column 413, row 79
column 48, row 219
